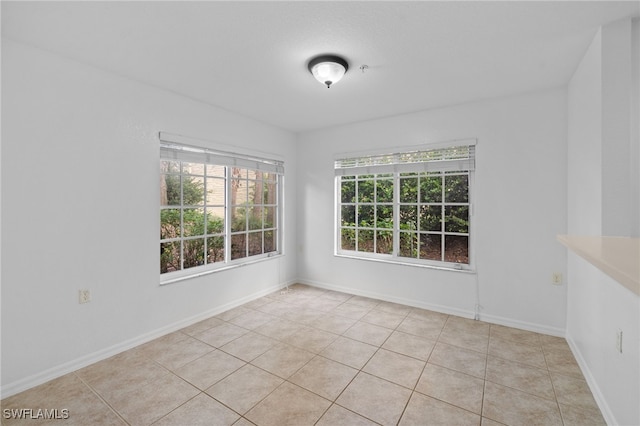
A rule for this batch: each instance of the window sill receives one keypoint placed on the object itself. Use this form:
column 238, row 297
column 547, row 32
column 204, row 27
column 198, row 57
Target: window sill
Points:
column 467, row 270
column 200, row 273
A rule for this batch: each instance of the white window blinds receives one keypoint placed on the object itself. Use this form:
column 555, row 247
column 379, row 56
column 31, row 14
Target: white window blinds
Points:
column 173, row 147
column 448, row 159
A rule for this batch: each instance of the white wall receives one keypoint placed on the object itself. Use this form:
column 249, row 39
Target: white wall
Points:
column 584, row 163
column 635, row 128
column 598, row 307
column 520, row 193
column 80, row 210
column 616, row 128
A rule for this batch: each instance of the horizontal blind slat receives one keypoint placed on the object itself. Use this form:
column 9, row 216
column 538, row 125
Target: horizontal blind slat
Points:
column 455, row 158
column 193, row 154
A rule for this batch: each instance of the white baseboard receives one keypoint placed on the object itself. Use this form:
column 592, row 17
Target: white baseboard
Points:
column 523, row 325
column 68, row 367
column 593, row 385
column 538, row 328
column 389, row 298
column 84, row 361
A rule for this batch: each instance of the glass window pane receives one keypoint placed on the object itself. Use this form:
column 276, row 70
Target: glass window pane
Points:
column 255, row 217
column 192, row 168
column 215, row 249
column 270, row 194
column 238, row 172
column 192, row 222
column 409, row 218
column 215, row 191
column 456, row 188
column 348, row 239
column 431, row 189
column 431, row 246
column 269, row 217
column 409, row 190
column 365, row 191
column 238, row 219
column 348, row 216
column 384, row 242
column 193, row 200
column 215, row 217
column 169, row 190
column 192, row 190
column 269, row 242
column 365, row 241
column 456, row 249
column 256, row 190
column 168, row 166
column 365, row 216
column 253, row 174
column 269, row 178
column 238, row 246
column 193, row 253
column 216, row 171
column 430, row 218
column 239, row 192
column 384, row 216
column 348, row 191
column 169, row 257
column 384, row 191
column 456, row 219
column 408, row 244
column 169, row 223
column 255, row 243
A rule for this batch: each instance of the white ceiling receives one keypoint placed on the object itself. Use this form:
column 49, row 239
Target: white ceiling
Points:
column 251, row 57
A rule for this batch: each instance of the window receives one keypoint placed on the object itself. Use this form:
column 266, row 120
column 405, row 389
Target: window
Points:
column 410, row 207
column 217, row 209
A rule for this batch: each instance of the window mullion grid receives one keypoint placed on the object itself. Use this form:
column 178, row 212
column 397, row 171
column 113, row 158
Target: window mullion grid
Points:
column 375, row 213
column 338, row 213
column 181, row 216
column 183, row 174
column 246, row 215
column 204, row 211
column 442, row 215
column 277, row 219
column 397, row 208
column 418, row 215
column 396, row 214
column 261, row 207
column 357, row 213
column 227, row 214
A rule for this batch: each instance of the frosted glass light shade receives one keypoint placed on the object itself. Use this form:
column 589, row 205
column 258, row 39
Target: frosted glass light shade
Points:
column 328, row 69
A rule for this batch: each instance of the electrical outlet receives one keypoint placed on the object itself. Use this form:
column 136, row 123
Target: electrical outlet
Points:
column 619, row 341
column 84, row 296
column 556, row 278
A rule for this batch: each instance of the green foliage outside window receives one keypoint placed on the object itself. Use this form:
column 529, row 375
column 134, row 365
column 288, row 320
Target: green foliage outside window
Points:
column 192, row 223
column 188, row 222
column 430, row 207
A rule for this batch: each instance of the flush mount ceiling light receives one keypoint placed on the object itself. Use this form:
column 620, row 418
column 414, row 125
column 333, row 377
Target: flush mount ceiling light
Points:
column 328, row 69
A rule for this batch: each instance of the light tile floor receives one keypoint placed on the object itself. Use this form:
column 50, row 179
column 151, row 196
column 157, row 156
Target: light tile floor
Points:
column 312, row 356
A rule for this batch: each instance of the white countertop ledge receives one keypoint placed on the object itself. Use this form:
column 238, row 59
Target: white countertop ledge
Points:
column 618, row 257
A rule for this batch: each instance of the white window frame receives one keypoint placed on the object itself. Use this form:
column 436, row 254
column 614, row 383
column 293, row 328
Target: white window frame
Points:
column 393, row 161
column 181, row 148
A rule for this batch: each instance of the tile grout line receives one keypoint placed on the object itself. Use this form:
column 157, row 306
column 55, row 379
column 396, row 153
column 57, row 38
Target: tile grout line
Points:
column 513, row 336
column 104, row 401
